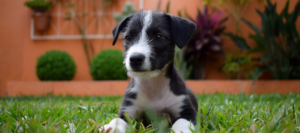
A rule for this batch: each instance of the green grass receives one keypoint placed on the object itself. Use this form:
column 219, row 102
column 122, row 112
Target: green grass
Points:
column 217, row 113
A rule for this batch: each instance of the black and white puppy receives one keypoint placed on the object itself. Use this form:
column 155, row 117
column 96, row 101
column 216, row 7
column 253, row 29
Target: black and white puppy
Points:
column 150, row 39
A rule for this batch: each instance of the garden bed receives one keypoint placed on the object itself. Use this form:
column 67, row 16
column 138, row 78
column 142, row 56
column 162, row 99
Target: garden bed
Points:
column 102, row 88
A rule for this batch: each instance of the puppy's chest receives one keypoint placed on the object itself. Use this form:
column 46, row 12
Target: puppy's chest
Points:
column 159, row 98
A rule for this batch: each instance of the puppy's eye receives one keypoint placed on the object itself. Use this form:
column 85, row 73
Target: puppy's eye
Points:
column 159, row 37
column 128, row 37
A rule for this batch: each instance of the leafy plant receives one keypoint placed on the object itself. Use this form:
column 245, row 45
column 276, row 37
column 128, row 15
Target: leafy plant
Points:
column 127, row 10
column 108, row 65
column 205, row 40
column 39, row 5
column 55, row 65
column 237, row 65
column 107, row 3
column 181, row 64
column 167, row 6
column 278, row 41
column 236, row 9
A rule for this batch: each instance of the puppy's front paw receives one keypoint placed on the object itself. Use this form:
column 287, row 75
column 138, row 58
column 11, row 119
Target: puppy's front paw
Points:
column 183, row 126
column 117, row 125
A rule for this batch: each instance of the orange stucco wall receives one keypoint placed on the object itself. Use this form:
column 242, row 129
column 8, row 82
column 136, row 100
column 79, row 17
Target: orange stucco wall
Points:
column 18, row 53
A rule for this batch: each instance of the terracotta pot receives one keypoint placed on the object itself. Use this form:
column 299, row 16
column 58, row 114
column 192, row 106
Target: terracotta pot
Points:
column 41, row 21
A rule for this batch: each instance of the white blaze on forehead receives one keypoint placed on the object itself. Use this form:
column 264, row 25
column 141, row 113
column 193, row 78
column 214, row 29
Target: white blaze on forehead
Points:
column 141, row 46
column 146, row 24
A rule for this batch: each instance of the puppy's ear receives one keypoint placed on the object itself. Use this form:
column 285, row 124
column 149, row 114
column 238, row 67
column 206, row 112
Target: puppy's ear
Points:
column 119, row 27
column 182, row 30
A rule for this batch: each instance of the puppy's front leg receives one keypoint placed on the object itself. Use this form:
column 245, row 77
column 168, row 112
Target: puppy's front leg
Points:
column 183, row 126
column 117, row 125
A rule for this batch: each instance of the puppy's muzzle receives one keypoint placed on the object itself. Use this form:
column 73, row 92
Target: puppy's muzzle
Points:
column 136, row 61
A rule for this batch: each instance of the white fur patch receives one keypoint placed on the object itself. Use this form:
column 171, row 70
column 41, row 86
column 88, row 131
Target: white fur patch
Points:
column 142, row 47
column 146, row 74
column 155, row 93
column 183, row 126
column 117, row 125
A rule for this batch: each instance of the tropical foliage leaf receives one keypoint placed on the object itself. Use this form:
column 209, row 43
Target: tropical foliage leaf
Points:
column 278, row 41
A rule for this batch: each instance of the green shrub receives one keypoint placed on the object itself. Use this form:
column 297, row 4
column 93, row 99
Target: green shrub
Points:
column 39, row 5
column 55, row 65
column 108, row 65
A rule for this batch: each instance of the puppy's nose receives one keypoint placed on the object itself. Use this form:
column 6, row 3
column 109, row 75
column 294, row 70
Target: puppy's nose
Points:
column 136, row 59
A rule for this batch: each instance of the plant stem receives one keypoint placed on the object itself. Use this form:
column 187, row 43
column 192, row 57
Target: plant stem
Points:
column 83, row 39
column 238, row 21
column 84, row 44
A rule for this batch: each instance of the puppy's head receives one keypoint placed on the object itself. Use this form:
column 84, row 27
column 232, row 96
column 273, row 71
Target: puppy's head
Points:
column 149, row 41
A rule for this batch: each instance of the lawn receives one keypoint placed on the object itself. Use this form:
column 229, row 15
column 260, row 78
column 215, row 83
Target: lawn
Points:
column 217, row 113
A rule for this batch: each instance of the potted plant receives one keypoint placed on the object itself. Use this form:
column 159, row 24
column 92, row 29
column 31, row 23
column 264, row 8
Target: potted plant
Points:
column 40, row 13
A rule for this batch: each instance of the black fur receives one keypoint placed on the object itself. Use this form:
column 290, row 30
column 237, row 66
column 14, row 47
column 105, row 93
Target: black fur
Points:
column 182, row 30
column 178, row 87
column 118, row 28
column 127, row 100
